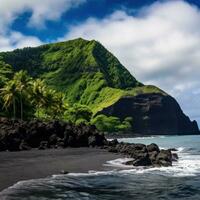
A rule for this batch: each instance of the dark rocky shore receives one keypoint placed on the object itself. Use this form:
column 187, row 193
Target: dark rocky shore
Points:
column 24, row 135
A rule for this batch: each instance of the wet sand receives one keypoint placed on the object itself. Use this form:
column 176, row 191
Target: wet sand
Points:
column 24, row 165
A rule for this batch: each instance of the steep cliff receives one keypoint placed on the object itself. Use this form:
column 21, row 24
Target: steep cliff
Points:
column 153, row 113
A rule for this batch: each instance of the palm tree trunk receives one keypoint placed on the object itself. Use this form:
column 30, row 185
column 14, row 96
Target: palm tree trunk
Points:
column 38, row 112
column 21, row 105
column 14, row 109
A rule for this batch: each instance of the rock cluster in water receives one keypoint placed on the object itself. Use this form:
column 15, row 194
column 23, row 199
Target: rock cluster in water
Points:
column 144, row 155
column 22, row 135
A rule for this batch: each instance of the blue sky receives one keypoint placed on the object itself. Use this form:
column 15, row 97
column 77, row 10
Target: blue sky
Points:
column 90, row 8
column 157, row 41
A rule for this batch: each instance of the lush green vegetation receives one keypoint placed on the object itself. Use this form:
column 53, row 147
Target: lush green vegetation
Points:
column 78, row 114
column 112, row 124
column 22, row 97
column 70, row 80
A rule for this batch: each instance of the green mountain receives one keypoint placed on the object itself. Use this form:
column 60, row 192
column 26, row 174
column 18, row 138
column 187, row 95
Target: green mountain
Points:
column 84, row 70
column 88, row 74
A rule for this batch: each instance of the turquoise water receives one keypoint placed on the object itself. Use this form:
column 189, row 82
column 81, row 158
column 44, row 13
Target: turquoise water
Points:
column 181, row 181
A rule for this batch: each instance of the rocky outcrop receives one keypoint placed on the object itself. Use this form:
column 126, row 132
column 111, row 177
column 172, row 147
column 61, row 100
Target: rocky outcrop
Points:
column 21, row 135
column 143, row 155
column 153, row 114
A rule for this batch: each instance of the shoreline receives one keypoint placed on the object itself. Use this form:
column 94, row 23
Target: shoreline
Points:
column 118, row 136
column 34, row 164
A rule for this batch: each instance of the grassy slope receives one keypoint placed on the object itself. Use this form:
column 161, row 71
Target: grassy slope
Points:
column 108, row 96
column 84, row 70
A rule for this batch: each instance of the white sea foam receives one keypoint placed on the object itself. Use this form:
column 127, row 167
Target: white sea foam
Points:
column 118, row 163
column 180, row 149
column 89, row 173
column 142, row 138
column 187, row 165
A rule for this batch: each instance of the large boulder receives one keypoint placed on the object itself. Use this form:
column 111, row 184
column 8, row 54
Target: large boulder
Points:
column 113, row 142
column 2, row 145
column 142, row 161
column 164, row 158
column 92, row 141
column 72, row 141
column 53, row 139
column 153, row 155
column 43, row 145
column 153, row 147
column 24, row 146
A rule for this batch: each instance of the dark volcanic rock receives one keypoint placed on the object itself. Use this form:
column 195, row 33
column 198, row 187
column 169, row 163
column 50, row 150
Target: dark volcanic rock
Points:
column 143, row 155
column 2, row 146
column 113, row 142
column 53, row 139
column 92, row 141
column 153, row 114
column 113, row 149
column 24, row 146
column 71, row 141
column 43, row 145
column 142, row 161
column 174, row 157
column 21, row 135
column 153, row 147
column 164, row 158
column 153, row 155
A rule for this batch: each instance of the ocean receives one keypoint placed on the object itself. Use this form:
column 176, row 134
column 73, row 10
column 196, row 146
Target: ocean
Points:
column 181, row 181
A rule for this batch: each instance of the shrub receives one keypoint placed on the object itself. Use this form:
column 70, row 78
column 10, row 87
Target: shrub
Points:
column 111, row 123
column 78, row 113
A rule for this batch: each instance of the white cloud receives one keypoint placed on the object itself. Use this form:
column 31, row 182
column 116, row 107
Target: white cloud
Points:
column 17, row 40
column 40, row 12
column 161, row 46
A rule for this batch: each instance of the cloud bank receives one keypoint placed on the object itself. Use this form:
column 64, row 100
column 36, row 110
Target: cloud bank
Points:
column 40, row 12
column 160, row 45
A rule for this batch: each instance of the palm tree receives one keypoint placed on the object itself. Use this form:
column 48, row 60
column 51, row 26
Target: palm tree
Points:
column 59, row 105
column 46, row 99
column 22, row 80
column 37, row 95
column 53, row 103
column 6, row 72
column 10, row 94
column 50, row 104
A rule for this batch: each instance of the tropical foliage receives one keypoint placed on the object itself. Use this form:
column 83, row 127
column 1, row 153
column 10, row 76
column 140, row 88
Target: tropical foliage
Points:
column 111, row 123
column 78, row 114
column 22, row 95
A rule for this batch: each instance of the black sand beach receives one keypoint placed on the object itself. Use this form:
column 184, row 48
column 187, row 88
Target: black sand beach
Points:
column 24, row 165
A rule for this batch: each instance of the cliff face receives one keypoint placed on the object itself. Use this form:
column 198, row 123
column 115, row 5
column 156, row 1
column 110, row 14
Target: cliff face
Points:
column 153, row 114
